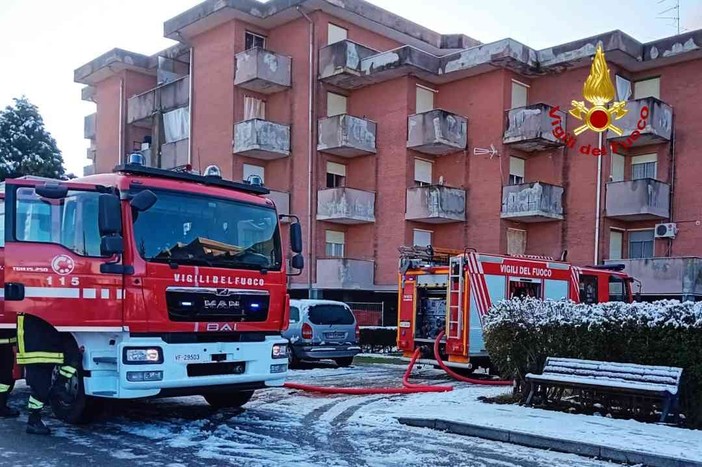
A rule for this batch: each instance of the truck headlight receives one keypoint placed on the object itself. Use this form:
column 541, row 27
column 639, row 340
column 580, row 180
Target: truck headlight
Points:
column 143, row 355
column 280, row 351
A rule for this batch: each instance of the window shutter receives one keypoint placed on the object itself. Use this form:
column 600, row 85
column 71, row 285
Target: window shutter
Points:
column 615, row 244
column 516, row 241
column 336, row 33
column 254, row 108
column 647, row 88
column 519, row 95
column 422, row 237
column 336, row 104
column 336, row 169
column 617, row 167
column 254, row 170
column 422, row 171
column 334, row 236
column 425, row 100
column 516, row 166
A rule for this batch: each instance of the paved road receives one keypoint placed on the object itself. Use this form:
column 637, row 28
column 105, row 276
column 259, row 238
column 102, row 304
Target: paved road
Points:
column 278, row 427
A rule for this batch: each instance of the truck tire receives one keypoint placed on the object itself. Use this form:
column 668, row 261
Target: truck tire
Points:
column 81, row 409
column 228, row 400
column 344, row 361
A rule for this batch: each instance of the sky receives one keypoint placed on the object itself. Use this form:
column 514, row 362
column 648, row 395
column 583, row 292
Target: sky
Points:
column 43, row 41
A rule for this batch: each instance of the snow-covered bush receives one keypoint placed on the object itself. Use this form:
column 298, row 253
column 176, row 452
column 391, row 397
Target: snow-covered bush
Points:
column 521, row 334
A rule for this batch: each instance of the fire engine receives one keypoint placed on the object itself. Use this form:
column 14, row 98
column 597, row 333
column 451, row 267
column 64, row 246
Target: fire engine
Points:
column 167, row 282
column 451, row 291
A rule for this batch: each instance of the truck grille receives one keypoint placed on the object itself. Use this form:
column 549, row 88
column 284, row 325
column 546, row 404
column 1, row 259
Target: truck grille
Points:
column 209, row 304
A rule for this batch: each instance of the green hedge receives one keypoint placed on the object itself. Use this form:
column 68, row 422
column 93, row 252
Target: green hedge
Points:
column 520, row 335
column 378, row 339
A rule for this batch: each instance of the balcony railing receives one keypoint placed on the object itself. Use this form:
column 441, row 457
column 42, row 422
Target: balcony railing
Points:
column 262, row 71
column 340, row 63
column 262, row 139
column 656, row 128
column 345, row 206
column 437, row 132
column 174, row 154
column 679, row 277
column 532, row 202
column 435, row 204
column 344, row 273
column 346, row 136
column 169, row 96
column 529, row 128
column 281, row 200
column 90, row 126
column 633, row 200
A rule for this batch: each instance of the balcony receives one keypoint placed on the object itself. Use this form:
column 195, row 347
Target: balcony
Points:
column 435, row 204
column 282, row 202
column 532, row 202
column 679, row 277
column 90, row 154
column 262, row 139
column 340, row 64
column 658, row 126
column 88, row 170
column 344, row 273
column 529, row 128
column 345, row 206
column 169, row 96
column 635, row 200
column 437, row 132
column 175, row 154
column 90, row 126
column 346, row 136
column 262, row 71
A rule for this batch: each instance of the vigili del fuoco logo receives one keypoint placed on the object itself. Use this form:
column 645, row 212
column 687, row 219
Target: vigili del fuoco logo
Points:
column 599, row 91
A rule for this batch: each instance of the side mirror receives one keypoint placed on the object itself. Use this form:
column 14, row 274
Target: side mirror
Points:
column 296, row 238
column 143, row 201
column 52, row 191
column 110, row 246
column 297, row 262
column 109, row 215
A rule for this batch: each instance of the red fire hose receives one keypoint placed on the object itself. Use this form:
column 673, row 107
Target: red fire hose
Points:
column 454, row 375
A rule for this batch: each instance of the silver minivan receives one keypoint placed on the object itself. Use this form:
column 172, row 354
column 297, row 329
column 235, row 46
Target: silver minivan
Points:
column 322, row 329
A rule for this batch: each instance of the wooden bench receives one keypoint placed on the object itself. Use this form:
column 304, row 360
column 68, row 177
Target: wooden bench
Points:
column 623, row 379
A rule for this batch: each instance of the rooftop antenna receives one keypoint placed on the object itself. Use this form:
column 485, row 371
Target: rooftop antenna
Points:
column 676, row 14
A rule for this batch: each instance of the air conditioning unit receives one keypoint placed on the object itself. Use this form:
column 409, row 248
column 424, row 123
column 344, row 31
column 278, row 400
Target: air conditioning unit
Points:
column 666, row 230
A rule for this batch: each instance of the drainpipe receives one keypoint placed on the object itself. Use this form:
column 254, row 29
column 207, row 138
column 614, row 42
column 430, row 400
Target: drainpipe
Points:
column 190, row 106
column 121, row 121
column 310, row 153
column 598, row 202
column 672, row 182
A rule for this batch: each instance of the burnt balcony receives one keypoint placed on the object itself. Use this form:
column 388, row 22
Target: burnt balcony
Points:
column 636, row 200
column 262, row 71
column 657, row 127
column 435, row 204
column 532, row 202
column 90, row 126
column 281, row 200
column 529, row 128
column 676, row 277
column 163, row 98
column 175, row 154
column 346, row 136
column 437, row 132
column 340, row 64
column 345, row 273
column 262, row 139
column 345, row 206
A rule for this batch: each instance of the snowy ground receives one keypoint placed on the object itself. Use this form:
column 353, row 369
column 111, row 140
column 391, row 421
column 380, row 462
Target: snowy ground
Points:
column 278, row 427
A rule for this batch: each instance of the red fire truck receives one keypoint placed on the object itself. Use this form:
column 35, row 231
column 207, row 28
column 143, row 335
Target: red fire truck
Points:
column 168, row 283
column 451, row 291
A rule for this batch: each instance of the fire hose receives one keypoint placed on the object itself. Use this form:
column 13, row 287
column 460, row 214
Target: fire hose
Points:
column 456, row 376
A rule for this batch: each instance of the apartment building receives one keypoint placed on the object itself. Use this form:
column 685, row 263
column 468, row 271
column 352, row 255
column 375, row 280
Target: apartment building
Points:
column 378, row 132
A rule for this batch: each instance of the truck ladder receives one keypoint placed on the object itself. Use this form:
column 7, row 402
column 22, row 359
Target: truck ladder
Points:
column 454, row 300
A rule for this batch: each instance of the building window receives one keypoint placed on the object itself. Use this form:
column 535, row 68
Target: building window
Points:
column 421, row 237
column 252, row 40
column 644, row 166
column 336, row 33
column 176, row 124
column 516, row 171
column 641, row 244
column 336, row 104
column 519, row 94
column 516, row 241
column 425, row 99
column 647, row 88
column 254, row 108
column 617, row 174
column 422, row 172
column 335, row 244
column 616, row 239
column 623, row 88
column 336, row 175
column 257, row 170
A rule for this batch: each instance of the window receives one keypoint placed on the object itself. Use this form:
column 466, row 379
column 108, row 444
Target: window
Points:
column 425, row 100
column 519, row 94
column 335, row 244
column 71, row 221
column 641, row 244
column 616, row 239
column 617, row 167
column 422, row 172
column 644, row 166
column 588, row 289
column 252, row 40
column 336, row 33
column 336, row 175
column 516, row 171
column 336, row 104
column 250, row 170
column 516, row 241
column 421, row 237
column 623, row 88
column 330, row 314
column 647, row 88
column 294, row 314
column 176, row 124
column 617, row 289
column 254, row 108
column 2, row 225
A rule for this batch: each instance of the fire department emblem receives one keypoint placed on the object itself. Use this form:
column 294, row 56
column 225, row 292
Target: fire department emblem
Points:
column 62, row 264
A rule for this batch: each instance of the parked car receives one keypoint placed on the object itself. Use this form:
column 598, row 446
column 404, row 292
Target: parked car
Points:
column 322, row 329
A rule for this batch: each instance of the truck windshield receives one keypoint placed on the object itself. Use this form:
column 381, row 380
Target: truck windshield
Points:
column 184, row 228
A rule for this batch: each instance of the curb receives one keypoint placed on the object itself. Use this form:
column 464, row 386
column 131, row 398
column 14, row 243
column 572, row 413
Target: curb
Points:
column 552, row 444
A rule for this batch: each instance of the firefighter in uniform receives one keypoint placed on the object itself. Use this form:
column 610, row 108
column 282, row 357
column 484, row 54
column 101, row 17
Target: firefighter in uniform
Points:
column 7, row 362
column 42, row 349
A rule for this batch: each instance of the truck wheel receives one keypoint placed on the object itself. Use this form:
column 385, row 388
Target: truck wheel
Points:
column 344, row 361
column 77, row 408
column 228, row 400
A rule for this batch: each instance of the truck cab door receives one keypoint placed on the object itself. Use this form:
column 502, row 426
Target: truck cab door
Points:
column 54, row 256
